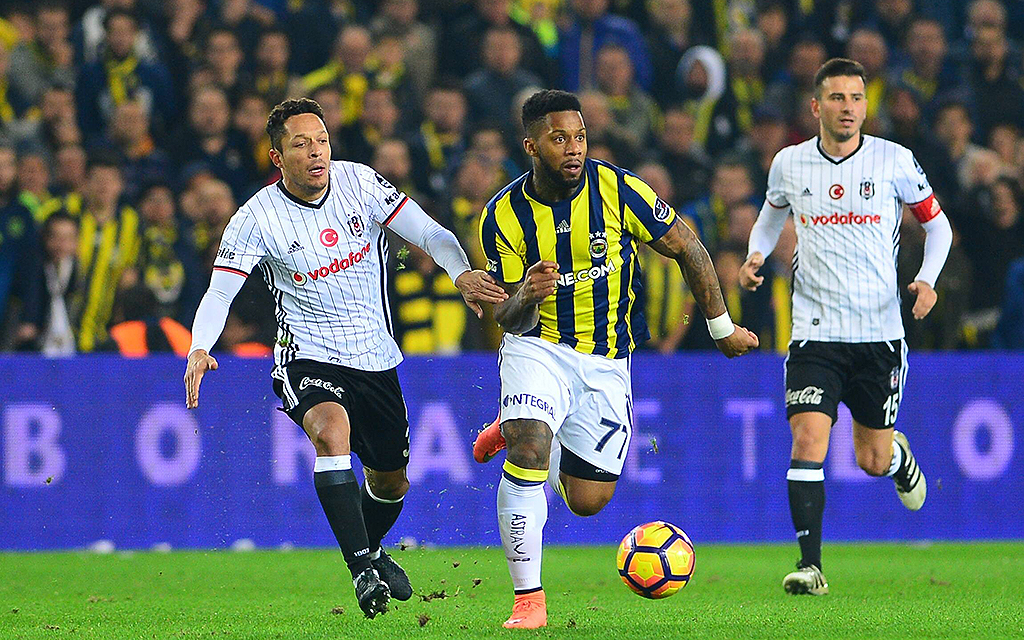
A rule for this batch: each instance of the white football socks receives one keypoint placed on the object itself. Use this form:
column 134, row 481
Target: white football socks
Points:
column 522, row 512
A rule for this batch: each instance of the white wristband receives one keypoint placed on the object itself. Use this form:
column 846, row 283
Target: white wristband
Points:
column 721, row 327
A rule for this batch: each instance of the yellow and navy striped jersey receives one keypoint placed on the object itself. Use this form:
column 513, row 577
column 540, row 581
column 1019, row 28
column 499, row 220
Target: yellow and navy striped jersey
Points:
column 594, row 236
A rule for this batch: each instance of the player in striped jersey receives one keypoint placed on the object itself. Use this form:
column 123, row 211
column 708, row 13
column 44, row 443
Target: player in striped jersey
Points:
column 318, row 237
column 846, row 191
column 563, row 240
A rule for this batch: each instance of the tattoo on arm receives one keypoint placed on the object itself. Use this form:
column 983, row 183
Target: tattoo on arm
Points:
column 514, row 315
column 684, row 247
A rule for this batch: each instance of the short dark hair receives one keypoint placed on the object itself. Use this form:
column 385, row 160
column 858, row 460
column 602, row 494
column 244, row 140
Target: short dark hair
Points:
column 280, row 114
column 547, row 101
column 837, row 67
column 60, row 215
column 103, row 157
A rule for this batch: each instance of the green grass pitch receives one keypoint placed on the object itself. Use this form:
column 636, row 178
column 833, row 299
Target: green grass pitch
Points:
column 878, row 591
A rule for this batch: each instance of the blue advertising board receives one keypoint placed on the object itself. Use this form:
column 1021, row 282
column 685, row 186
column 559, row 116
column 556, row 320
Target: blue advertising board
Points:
column 102, row 448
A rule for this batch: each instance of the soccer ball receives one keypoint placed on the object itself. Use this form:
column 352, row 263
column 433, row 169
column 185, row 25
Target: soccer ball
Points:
column 655, row 559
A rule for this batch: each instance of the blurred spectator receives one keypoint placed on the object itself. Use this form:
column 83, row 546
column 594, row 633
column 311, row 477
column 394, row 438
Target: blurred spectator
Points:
column 440, row 140
column 993, row 239
column 786, row 91
column 730, row 185
column 746, row 82
column 677, row 150
column 141, row 161
column 476, row 180
column 386, row 65
column 429, row 314
column 702, row 78
column 70, row 173
column 992, row 74
column 245, row 20
column 378, row 120
column 119, row 76
column 491, row 90
column 223, row 57
column 892, row 20
column 926, row 72
column 867, row 47
column 773, row 24
column 316, row 24
column 250, row 119
column 214, row 207
column 487, row 142
column 953, row 129
column 34, row 181
column 462, row 45
column 392, row 160
column 91, row 32
column 593, row 27
column 13, row 104
column 50, row 321
column 140, row 329
column 208, row 139
column 109, row 244
column 671, row 34
column 346, row 71
column 58, row 118
column 668, row 300
column 907, row 129
column 768, row 135
column 271, row 78
column 753, row 309
column 399, row 18
column 603, row 130
column 1005, row 140
column 168, row 265
column 634, row 110
column 1009, row 333
column 18, row 249
column 45, row 60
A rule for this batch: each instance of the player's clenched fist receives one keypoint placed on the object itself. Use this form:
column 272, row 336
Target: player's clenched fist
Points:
column 540, row 282
column 740, row 342
column 748, row 272
column 199, row 362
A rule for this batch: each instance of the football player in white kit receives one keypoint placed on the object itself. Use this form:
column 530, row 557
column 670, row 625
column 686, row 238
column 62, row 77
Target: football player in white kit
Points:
column 846, row 192
column 318, row 237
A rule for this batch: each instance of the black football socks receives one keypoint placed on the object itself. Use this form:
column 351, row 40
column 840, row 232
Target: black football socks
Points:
column 380, row 515
column 338, row 491
column 807, row 505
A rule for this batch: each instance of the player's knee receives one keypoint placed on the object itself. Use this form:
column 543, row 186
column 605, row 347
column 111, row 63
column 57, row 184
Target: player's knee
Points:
column 587, row 505
column 874, row 463
column 331, row 440
column 528, row 443
column 805, row 444
column 390, row 488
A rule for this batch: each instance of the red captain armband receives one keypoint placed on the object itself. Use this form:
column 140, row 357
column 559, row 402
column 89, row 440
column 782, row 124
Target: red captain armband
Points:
column 926, row 209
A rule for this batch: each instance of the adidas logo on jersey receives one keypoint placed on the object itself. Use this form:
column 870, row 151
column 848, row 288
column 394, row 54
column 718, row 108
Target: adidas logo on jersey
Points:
column 806, row 192
column 295, row 247
column 563, row 227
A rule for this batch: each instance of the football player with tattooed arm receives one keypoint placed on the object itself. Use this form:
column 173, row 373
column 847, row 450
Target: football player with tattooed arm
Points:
column 846, row 192
column 317, row 236
column 563, row 240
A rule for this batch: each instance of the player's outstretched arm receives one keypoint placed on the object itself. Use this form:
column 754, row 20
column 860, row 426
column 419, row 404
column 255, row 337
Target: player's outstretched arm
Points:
column 476, row 286
column 680, row 244
column 206, row 329
column 521, row 311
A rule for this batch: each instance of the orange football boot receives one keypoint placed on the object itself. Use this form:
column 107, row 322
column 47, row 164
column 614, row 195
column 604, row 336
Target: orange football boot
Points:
column 530, row 611
column 489, row 442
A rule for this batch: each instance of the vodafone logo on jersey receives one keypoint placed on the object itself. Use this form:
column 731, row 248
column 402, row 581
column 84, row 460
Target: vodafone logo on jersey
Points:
column 328, row 237
column 337, row 265
column 838, row 219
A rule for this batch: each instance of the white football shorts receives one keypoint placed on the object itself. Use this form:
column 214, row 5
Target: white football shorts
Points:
column 585, row 399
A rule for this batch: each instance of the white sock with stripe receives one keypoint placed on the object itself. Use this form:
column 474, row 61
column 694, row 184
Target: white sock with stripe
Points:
column 522, row 513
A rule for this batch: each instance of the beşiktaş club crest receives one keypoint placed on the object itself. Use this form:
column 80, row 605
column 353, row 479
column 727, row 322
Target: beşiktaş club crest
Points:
column 355, row 224
column 894, row 378
column 598, row 245
column 867, row 189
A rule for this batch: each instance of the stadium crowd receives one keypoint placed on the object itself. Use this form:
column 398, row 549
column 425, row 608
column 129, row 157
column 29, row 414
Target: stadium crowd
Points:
column 130, row 131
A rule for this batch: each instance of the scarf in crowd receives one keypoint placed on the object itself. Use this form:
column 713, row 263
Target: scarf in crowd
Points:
column 121, row 79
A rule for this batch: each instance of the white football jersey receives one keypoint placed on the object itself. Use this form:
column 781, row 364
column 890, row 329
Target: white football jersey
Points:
column 325, row 264
column 847, row 214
